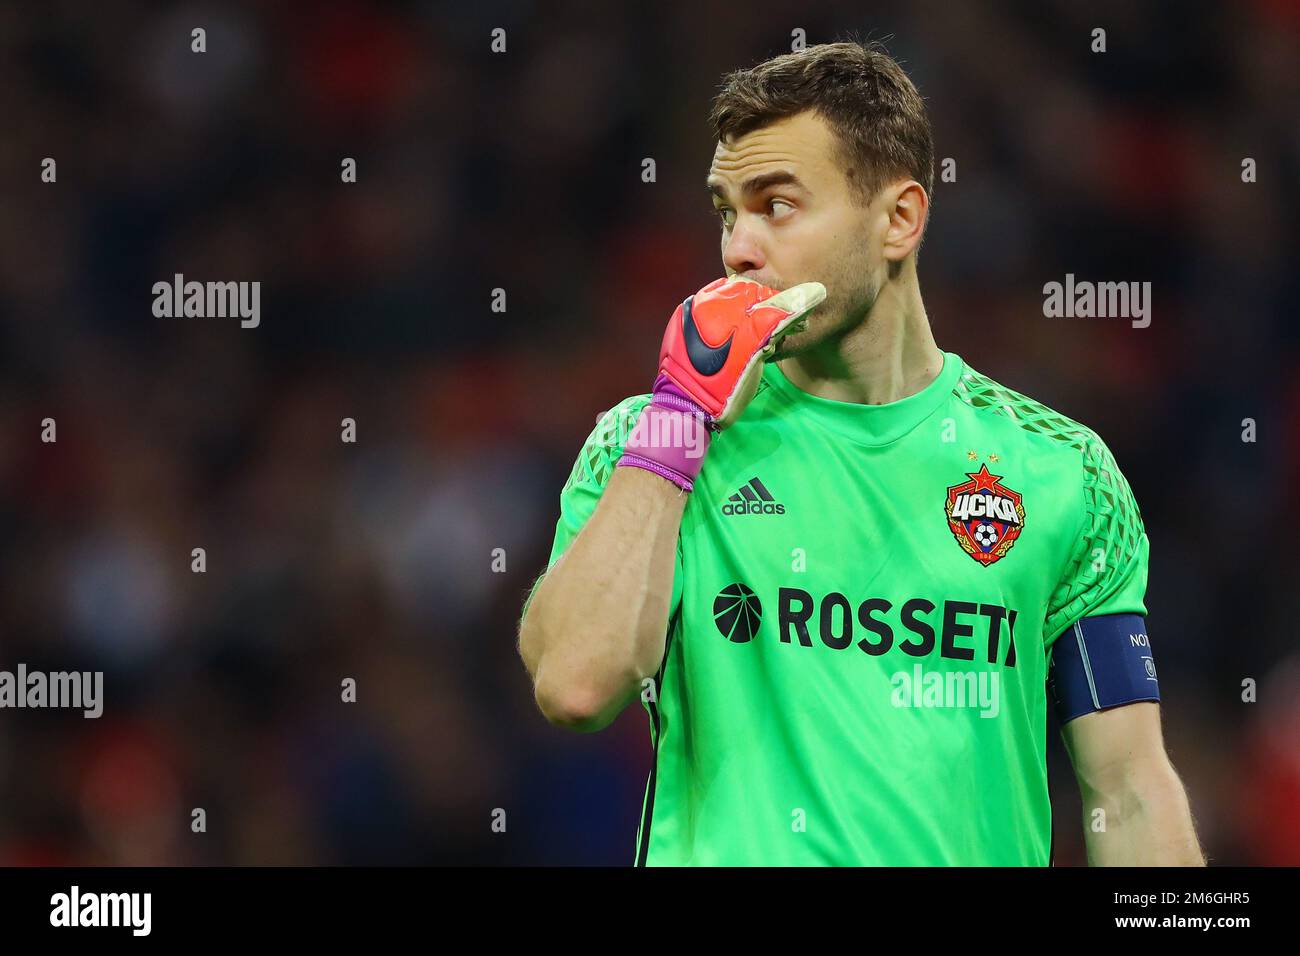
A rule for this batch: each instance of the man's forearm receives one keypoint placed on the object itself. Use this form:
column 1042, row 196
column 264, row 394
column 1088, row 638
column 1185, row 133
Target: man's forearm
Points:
column 596, row 623
column 1144, row 820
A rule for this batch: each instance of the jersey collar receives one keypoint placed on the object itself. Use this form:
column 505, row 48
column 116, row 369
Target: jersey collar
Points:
column 868, row 424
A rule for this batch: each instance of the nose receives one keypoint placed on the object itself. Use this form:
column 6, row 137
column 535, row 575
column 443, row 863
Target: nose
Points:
column 741, row 251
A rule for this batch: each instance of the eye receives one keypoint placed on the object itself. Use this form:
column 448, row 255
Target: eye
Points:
column 775, row 202
column 722, row 214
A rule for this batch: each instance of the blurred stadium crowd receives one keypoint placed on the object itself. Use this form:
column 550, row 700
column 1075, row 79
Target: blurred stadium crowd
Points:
column 522, row 171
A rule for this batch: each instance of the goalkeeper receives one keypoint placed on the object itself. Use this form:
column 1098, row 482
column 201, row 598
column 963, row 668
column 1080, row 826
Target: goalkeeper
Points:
column 844, row 572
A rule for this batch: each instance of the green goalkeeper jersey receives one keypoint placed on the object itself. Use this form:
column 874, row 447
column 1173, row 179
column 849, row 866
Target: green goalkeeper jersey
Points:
column 865, row 601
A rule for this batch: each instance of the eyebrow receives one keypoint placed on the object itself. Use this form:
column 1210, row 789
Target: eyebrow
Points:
column 756, row 184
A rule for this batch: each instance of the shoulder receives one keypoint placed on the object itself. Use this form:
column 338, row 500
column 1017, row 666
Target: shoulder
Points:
column 614, row 424
column 628, row 406
column 1088, row 473
column 604, row 444
column 1028, row 420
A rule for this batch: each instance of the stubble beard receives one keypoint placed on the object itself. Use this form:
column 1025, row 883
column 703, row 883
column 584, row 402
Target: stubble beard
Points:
column 827, row 322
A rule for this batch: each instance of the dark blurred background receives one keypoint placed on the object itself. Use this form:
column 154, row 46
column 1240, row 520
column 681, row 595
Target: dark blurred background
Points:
column 522, row 171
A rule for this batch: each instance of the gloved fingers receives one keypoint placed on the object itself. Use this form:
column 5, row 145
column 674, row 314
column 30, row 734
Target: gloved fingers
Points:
column 797, row 299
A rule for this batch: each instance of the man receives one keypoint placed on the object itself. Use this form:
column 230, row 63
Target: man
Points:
column 843, row 570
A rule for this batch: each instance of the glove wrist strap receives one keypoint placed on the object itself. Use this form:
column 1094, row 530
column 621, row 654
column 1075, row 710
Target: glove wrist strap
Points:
column 670, row 438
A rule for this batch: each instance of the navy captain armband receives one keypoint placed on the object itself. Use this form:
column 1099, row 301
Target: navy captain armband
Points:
column 1101, row 662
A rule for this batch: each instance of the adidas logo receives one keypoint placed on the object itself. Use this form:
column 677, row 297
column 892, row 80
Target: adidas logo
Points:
column 753, row 498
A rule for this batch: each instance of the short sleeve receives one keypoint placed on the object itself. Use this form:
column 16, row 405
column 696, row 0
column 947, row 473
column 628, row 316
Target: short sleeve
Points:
column 591, row 473
column 1107, row 570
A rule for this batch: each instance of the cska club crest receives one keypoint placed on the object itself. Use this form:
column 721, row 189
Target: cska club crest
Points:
column 985, row 516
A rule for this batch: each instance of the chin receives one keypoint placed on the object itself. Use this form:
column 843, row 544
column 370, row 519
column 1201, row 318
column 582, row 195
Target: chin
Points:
column 793, row 345
column 796, row 343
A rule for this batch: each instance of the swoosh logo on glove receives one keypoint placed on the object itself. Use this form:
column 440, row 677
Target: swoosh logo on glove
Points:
column 707, row 359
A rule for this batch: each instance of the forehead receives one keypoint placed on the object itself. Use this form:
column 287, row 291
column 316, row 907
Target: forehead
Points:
column 802, row 143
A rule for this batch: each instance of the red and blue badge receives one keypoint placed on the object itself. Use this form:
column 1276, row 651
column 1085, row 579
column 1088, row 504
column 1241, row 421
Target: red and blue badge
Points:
column 985, row 516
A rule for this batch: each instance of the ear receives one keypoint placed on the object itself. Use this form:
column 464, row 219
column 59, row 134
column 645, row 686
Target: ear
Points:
column 908, row 207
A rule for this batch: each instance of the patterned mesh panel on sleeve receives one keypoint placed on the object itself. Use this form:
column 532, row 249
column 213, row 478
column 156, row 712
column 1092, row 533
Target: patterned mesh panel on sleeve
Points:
column 604, row 445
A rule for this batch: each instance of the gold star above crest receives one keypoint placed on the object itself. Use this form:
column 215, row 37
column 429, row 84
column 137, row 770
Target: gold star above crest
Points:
column 971, row 455
column 992, row 457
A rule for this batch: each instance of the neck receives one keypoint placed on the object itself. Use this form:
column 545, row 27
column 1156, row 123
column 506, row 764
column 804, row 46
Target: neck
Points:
column 889, row 355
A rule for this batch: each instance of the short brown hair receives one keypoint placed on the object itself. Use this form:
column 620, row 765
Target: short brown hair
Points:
column 870, row 104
